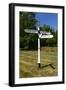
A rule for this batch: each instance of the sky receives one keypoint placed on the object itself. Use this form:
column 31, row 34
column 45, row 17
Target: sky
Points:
column 49, row 19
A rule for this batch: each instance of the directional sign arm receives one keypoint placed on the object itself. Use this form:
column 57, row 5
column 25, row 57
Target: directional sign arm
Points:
column 45, row 33
column 45, row 36
column 31, row 31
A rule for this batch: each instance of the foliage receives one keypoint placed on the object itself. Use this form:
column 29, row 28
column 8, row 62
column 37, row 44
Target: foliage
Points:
column 27, row 20
column 29, row 41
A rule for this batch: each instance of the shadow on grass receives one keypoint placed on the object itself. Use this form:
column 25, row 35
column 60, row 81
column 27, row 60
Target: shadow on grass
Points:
column 48, row 65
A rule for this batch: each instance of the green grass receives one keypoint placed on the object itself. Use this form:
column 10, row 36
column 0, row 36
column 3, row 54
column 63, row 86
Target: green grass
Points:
column 28, row 66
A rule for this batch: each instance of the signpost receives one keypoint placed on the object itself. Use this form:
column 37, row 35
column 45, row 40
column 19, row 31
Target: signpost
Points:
column 41, row 34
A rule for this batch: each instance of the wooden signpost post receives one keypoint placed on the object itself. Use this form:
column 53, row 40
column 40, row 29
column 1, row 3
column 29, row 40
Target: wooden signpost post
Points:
column 41, row 34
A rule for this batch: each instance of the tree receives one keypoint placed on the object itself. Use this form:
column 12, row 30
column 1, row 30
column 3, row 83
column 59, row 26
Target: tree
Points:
column 30, row 41
column 52, row 41
column 27, row 20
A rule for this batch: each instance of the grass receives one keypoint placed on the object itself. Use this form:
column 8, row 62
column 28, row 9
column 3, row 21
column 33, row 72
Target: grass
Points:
column 28, row 66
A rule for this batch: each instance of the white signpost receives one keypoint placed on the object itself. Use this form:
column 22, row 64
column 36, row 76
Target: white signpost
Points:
column 41, row 34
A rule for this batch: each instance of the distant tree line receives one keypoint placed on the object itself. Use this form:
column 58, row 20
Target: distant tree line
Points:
column 30, row 41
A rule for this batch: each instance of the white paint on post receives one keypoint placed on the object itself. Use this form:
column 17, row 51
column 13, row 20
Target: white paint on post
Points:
column 38, row 28
column 38, row 50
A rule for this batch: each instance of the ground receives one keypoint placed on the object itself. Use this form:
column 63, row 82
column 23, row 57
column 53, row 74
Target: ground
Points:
column 28, row 66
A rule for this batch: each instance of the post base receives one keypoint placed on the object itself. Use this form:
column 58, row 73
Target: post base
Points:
column 39, row 65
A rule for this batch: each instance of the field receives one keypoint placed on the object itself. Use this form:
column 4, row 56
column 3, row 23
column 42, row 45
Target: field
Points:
column 28, row 66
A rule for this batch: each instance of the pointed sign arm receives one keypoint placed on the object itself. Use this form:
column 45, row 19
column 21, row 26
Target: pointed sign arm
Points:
column 45, row 33
column 31, row 31
column 45, row 36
